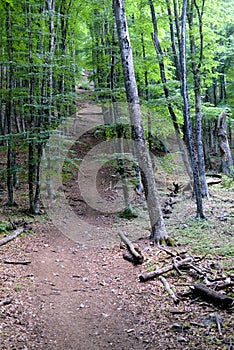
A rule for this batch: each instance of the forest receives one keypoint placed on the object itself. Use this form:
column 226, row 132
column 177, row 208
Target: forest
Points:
column 116, row 174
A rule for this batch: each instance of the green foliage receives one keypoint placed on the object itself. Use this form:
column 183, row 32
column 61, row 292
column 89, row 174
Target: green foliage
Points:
column 4, row 226
column 128, row 213
column 113, row 131
column 228, row 181
column 168, row 163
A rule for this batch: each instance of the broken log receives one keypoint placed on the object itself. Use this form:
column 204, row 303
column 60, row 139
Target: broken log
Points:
column 169, row 290
column 12, row 236
column 137, row 257
column 212, row 296
column 150, row 275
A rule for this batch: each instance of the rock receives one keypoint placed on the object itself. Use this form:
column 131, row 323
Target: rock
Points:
column 181, row 339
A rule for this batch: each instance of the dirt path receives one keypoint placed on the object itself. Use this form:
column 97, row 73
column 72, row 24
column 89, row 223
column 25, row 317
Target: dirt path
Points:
column 84, row 295
column 85, row 298
column 79, row 294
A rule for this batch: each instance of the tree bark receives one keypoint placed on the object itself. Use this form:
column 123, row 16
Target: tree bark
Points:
column 9, row 109
column 188, row 124
column 197, row 91
column 31, row 123
column 225, row 151
column 158, row 229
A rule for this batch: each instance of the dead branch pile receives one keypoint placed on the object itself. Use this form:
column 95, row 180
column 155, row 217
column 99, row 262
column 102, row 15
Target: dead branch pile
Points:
column 213, row 286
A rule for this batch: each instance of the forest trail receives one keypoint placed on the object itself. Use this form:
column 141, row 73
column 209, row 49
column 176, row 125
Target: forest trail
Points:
column 79, row 285
column 84, row 297
column 80, row 294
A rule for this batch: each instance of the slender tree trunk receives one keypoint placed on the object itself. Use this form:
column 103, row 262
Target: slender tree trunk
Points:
column 200, row 150
column 227, row 161
column 31, row 146
column 223, row 83
column 9, row 110
column 145, row 68
column 2, row 116
column 159, row 53
column 188, row 124
column 51, row 10
column 197, row 91
column 119, row 144
column 173, row 42
column 177, row 25
column 149, row 124
column 158, row 229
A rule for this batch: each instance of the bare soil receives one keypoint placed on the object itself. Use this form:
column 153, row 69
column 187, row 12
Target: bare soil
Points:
column 82, row 295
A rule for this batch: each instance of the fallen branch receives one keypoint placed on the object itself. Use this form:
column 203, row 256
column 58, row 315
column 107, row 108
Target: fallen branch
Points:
column 218, row 323
column 150, row 275
column 169, row 290
column 176, row 267
column 137, row 257
column 12, row 236
column 220, row 283
column 25, row 262
column 167, row 251
column 195, row 268
column 212, row 296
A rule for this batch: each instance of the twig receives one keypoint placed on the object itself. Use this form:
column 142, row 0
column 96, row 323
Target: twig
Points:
column 197, row 270
column 176, row 268
column 169, row 290
column 167, row 251
column 217, row 320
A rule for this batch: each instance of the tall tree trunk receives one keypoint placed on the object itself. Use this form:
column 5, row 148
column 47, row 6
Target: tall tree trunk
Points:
column 158, row 229
column 223, row 83
column 159, row 53
column 31, row 124
column 173, row 42
column 9, row 110
column 145, row 68
column 197, row 91
column 225, row 151
column 149, row 124
column 188, row 124
column 2, row 114
column 200, row 150
column 51, row 10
